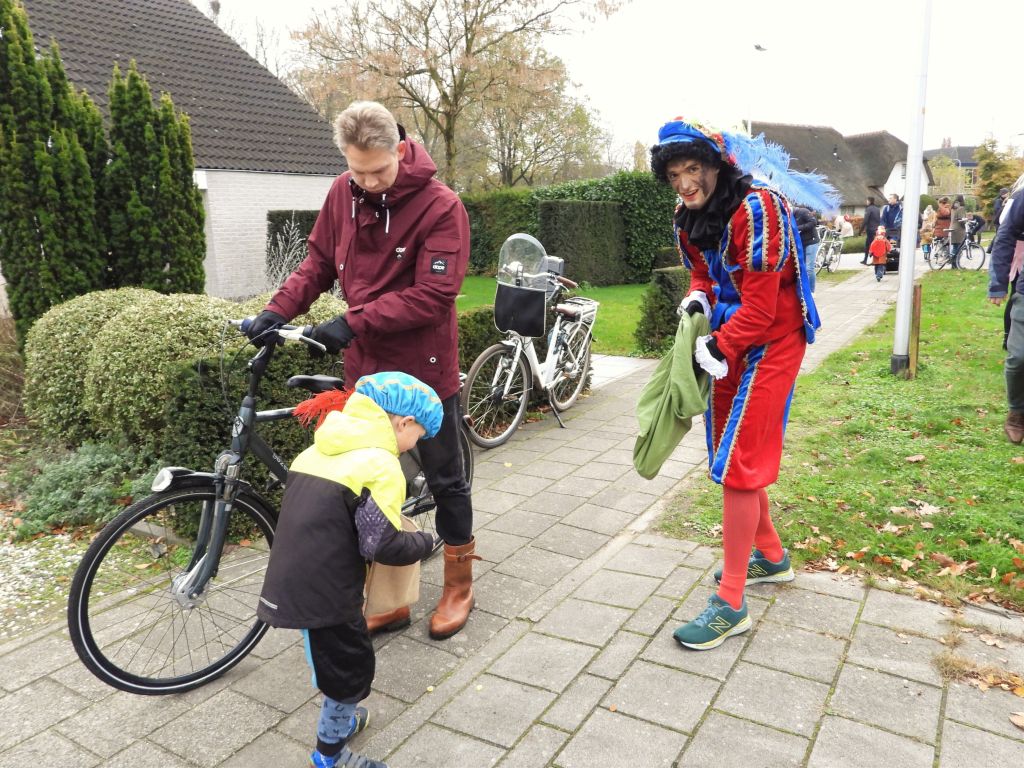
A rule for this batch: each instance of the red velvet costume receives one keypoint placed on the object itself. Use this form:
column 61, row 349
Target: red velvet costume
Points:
column 762, row 318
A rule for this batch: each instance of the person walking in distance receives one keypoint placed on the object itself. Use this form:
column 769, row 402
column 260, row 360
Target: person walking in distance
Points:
column 397, row 241
column 872, row 217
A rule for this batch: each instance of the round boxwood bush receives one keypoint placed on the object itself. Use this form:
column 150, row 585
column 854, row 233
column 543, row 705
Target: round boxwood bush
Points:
column 132, row 369
column 56, row 351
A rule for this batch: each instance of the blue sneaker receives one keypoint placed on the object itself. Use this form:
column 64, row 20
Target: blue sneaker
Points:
column 761, row 570
column 359, row 722
column 709, row 630
column 344, row 759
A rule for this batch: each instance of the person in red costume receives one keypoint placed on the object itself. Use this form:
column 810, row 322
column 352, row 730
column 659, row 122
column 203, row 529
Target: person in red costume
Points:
column 739, row 239
column 397, row 241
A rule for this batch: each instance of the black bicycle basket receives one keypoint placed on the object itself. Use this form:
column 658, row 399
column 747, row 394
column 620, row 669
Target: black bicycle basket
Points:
column 520, row 310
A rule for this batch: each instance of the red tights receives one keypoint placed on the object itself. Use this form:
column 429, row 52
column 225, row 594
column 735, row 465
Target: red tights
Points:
column 746, row 521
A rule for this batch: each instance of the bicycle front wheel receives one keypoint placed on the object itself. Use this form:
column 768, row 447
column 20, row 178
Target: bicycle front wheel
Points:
column 126, row 622
column 496, row 395
column 572, row 368
column 972, row 256
column 939, row 258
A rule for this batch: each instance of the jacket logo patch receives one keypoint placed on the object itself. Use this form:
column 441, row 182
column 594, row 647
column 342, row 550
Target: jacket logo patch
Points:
column 439, row 266
column 399, row 252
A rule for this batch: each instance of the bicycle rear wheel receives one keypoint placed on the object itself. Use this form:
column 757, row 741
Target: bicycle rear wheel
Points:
column 572, row 368
column 126, row 623
column 832, row 260
column 972, row 256
column 420, row 504
column 939, row 257
column 496, row 395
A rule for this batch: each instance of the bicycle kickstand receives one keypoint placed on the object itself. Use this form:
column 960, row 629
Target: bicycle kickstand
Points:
column 555, row 411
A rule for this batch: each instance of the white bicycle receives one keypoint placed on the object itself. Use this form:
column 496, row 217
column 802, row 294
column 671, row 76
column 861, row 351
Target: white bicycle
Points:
column 503, row 378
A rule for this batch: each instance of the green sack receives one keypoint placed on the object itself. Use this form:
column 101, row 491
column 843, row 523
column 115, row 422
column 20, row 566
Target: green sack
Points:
column 670, row 400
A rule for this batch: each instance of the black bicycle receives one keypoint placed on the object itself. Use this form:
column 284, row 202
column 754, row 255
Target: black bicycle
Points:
column 165, row 597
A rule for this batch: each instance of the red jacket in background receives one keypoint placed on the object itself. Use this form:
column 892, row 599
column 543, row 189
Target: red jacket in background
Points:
column 879, row 251
column 400, row 258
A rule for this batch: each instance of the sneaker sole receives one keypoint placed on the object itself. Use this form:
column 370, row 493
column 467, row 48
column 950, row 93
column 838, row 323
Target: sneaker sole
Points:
column 740, row 628
column 775, row 578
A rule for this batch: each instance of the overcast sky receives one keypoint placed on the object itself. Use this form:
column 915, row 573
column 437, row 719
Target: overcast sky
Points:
column 850, row 65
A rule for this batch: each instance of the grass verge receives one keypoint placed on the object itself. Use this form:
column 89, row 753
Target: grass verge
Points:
column 616, row 319
column 907, row 479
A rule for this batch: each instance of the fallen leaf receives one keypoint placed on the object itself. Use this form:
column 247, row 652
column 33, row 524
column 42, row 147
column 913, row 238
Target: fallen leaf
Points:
column 1019, row 563
column 1017, row 718
column 508, row 463
column 928, row 526
column 915, row 458
column 882, row 559
column 1008, row 577
column 942, row 559
column 1018, row 459
column 905, row 564
column 612, row 708
column 1019, row 691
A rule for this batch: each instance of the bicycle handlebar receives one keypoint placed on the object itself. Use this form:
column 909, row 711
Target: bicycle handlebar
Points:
column 549, row 276
column 284, row 332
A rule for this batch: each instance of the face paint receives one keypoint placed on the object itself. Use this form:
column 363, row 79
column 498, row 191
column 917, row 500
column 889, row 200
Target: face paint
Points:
column 693, row 181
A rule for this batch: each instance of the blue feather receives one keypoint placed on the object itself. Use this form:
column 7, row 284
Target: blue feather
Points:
column 769, row 162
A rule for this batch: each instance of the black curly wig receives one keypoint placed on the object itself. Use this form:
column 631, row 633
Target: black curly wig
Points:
column 663, row 154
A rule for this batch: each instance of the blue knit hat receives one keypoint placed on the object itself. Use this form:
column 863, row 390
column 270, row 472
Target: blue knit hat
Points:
column 400, row 394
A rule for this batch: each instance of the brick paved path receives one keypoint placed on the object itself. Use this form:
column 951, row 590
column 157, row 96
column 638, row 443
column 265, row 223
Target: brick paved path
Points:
column 568, row 659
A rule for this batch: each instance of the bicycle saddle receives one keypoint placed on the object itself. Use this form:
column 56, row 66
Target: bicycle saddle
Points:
column 316, row 383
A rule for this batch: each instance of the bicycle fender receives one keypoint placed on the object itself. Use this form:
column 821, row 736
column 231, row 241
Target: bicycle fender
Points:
column 173, row 478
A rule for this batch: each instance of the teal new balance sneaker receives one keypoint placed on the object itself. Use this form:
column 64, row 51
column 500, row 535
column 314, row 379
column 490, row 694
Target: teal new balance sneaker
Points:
column 709, row 630
column 761, row 570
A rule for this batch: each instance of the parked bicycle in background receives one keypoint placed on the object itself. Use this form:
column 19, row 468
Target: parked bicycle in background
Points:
column 501, row 382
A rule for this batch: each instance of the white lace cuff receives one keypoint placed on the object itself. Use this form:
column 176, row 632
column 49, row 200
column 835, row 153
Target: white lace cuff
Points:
column 716, row 368
column 701, row 298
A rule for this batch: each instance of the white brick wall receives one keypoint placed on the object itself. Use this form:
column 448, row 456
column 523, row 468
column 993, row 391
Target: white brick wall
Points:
column 236, row 205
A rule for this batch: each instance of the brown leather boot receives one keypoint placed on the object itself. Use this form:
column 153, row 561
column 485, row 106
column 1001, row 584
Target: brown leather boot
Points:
column 388, row 622
column 457, row 598
column 1014, row 426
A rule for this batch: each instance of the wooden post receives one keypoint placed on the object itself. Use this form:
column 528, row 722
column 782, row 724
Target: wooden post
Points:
column 915, row 331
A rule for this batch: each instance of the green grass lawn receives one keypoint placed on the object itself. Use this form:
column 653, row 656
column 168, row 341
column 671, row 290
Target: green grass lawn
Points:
column 908, row 479
column 616, row 318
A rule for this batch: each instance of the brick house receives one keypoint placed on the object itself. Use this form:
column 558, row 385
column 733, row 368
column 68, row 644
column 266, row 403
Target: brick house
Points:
column 257, row 146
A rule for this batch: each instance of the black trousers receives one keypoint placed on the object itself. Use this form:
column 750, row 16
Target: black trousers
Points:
column 342, row 660
column 442, row 464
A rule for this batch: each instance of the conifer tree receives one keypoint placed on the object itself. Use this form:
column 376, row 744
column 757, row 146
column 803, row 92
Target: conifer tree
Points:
column 154, row 211
column 50, row 246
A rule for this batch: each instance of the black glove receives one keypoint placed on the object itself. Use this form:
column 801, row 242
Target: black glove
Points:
column 693, row 308
column 335, row 334
column 714, row 350
column 263, row 322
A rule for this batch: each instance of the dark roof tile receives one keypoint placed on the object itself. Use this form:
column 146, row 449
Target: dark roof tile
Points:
column 242, row 117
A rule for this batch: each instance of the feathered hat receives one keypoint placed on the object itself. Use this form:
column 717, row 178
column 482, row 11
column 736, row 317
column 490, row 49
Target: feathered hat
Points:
column 759, row 157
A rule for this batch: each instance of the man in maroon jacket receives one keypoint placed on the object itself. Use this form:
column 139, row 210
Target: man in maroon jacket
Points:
column 397, row 241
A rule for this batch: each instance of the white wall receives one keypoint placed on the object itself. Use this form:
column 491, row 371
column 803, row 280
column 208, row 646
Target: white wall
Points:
column 236, row 205
column 897, row 182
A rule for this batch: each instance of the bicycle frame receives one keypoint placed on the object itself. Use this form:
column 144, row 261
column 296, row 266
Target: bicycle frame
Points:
column 213, row 524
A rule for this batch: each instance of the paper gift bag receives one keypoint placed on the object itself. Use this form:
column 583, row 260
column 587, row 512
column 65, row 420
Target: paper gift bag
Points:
column 389, row 587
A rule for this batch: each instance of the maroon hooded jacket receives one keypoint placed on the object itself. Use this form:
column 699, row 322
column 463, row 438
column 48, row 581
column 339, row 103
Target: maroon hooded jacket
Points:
column 399, row 257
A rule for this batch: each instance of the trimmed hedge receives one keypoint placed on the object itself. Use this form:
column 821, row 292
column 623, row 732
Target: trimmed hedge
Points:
column 56, row 353
column 658, row 319
column 493, row 216
column 647, row 208
column 589, row 236
column 276, row 221
column 668, row 256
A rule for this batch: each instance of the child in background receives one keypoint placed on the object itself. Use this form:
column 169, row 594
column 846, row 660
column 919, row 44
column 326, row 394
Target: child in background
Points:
column 342, row 509
column 880, row 248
